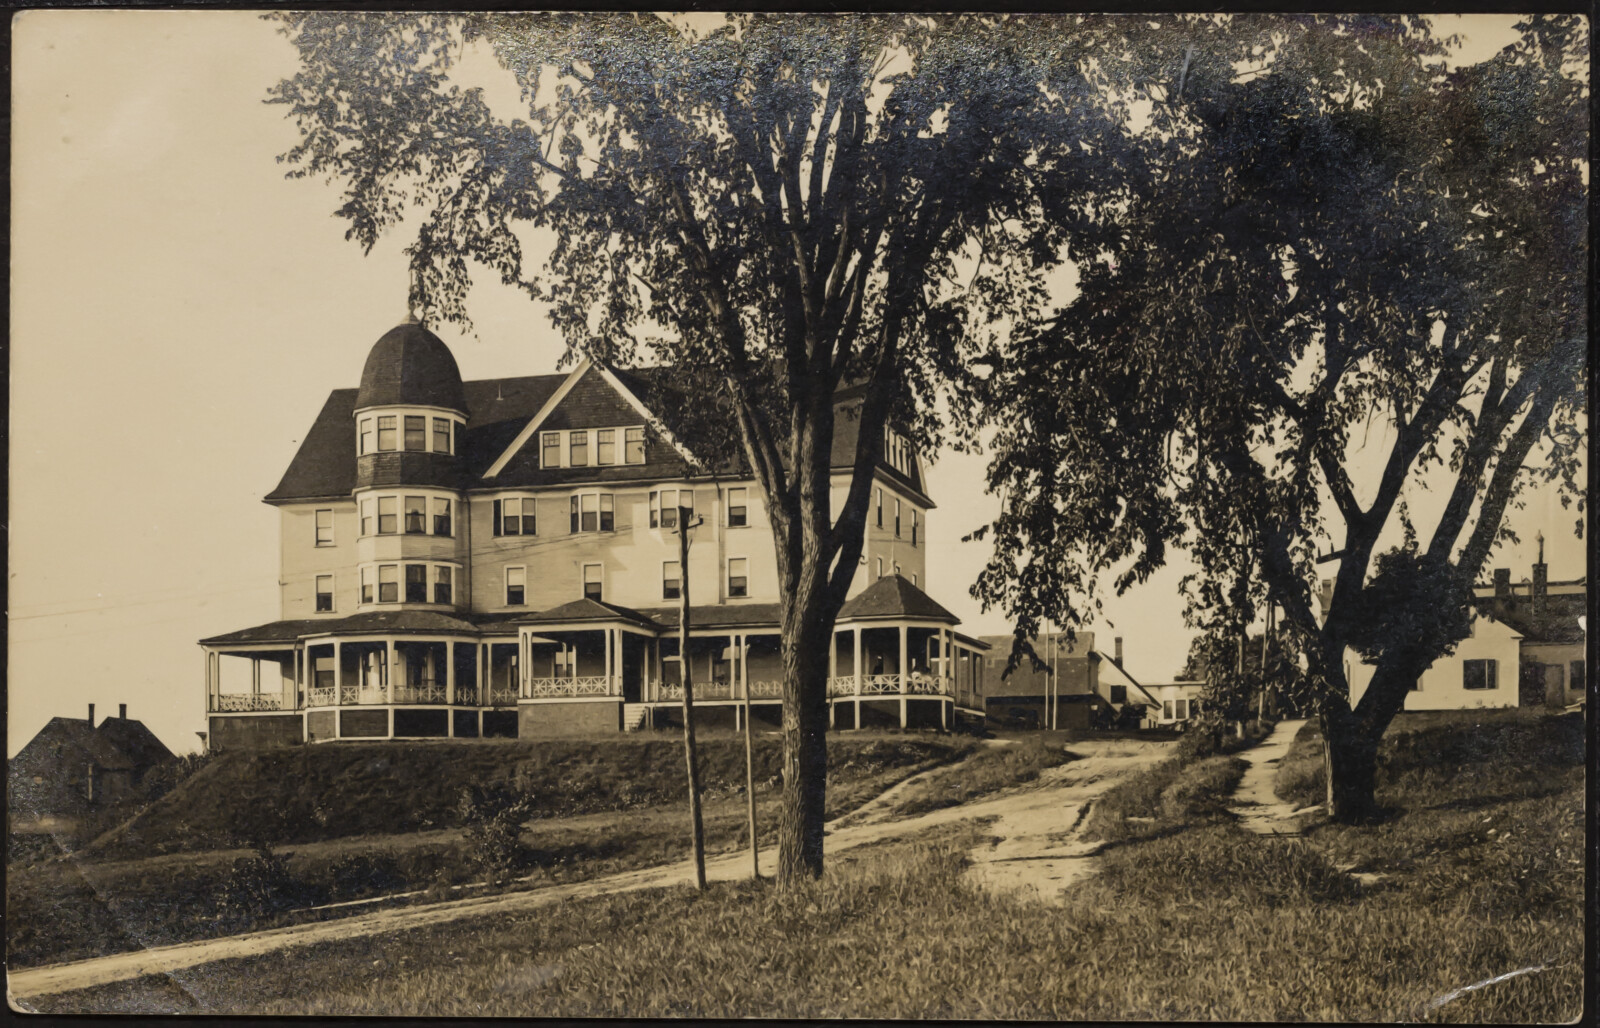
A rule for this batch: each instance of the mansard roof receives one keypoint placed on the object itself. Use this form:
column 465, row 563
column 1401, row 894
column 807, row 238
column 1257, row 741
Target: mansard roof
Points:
column 500, row 410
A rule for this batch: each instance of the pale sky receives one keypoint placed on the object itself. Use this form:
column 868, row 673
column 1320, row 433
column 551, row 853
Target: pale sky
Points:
column 180, row 312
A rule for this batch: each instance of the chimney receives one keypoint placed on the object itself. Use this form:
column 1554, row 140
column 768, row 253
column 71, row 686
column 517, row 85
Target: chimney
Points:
column 1325, row 596
column 91, row 713
column 122, row 711
column 1502, row 589
column 1116, row 649
column 1541, row 579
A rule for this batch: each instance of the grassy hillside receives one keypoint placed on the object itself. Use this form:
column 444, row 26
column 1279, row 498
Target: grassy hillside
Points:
column 312, row 793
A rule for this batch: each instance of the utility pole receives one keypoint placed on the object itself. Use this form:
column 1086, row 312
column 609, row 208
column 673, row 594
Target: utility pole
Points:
column 1266, row 636
column 689, row 756
column 749, row 767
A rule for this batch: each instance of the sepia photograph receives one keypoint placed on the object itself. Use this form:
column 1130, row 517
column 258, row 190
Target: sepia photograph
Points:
column 985, row 516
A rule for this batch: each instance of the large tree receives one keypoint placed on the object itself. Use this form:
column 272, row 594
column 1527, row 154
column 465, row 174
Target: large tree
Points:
column 1349, row 273
column 791, row 205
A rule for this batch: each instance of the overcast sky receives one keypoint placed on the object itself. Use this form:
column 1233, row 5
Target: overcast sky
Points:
column 180, row 312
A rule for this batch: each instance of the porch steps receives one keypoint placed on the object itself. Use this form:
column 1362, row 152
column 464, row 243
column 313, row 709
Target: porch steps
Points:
column 633, row 716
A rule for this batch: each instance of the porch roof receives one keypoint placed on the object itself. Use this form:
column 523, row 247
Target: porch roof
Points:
column 405, row 621
column 719, row 615
column 587, row 610
column 893, row 596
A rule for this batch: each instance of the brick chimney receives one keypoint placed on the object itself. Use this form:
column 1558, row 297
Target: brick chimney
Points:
column 122, row 711
column 91, row 714
column 1502, row 589
column 1541, row 579
column 1116, row 649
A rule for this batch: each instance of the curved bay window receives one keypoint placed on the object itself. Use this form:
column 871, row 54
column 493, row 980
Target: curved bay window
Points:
column 408, row 582
column 416, row 430
column 407, row 514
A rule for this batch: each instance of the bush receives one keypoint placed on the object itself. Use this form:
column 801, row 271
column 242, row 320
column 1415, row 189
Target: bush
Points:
column 358, row 875
column 491, row 820
column 261, row 885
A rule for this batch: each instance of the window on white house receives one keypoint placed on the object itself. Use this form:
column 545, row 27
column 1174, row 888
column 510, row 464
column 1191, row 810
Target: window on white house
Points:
column 366, row 517
column 441, row 435
column 366, row 585
column 1577, row 675
column 880, row 507
column 664, row 506
column 441, row 517
column 605, row 446
column 388, row 583
column 416, row 432
column 441, row 585
column 1119, row 694
column 366, row 435
column 515, row 516
column 416, row 515
column 324, row 593
column 1166, row 709
column 324, row 528
column 633, row 446
column 913, row 578
column 516, row 584
column 914, row 526
column 550, row 452
column 737, row 517
column 1479, row 674
column 592, row 512
column 880, row 567
column 738, row 576
column 897, row 519
column 671, row 582
column 578, row 449
column 593, row 575
column 386, row 432
column 416, row 583
column 388, row 519
column 1183, row 709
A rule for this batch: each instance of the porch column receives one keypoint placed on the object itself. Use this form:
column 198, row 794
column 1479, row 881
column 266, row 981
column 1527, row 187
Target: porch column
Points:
column 902, row 676
column 394, row 668
column 450, row 677
column 338, row 673
column 616, row 686
column 255, row 676
column 856, row 633
column 211, row 688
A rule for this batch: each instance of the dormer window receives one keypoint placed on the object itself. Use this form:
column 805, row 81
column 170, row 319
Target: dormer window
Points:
column 582, row 451
column 550, row 456
column 897, row 451
column 578, row 449
column 633, row 446
column 605, row 446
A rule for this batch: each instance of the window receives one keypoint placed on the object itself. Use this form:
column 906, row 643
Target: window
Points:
column 550, row 456
column 324, row 593
column 416, row 583
column 1479, row 674
column 387, row 524
column 366, row 435
column 736, row 508
column 897, row 519
column 592, row 581
column 1119, row 694
column 441, row 585
column 324, row 528
column 664, row 506
column 416, row 515
column 516, row 582
column 1166, row 709
column 633, row 446
column 416, row 432
column 514, row 516
column 578, row 449
column 1576, row 675
column 386, row 430
column 913, row 526
column 880, row 567
column 366, row 585
column 738, row 576
column 441, row 517
column 913, row 578
column 592, row 512
column 388, row 583
column 880, row 508
column 605, row 446
column 1183, row 710
column 366, row 517
column 671, row 583
column 441, row 435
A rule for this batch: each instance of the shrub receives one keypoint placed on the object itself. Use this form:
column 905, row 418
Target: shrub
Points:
column 357, row 875
column 491, row 820
column 261, row 885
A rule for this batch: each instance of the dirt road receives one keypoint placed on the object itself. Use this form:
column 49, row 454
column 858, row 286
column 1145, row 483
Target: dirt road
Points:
column 1028, row 820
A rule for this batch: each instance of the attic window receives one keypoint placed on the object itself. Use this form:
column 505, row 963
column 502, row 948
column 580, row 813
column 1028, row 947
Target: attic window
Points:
column 633, row 446
column 550, row 453
column 578, row 449
column 605, row 446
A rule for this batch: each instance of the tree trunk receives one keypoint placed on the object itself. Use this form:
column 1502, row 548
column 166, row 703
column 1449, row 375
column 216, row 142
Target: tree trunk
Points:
column 1350, row 762
column 805, row 753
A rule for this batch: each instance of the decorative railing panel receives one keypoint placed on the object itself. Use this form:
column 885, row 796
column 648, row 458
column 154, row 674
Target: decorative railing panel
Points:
column 466, row 695
column 230, row 703
column 324, row 696
column 880, row 685
column 702, row 691
column 502, row 696
column 843, row 685
column 920, row 683
column 429, row 693
column 585, row 685
column 767, row 690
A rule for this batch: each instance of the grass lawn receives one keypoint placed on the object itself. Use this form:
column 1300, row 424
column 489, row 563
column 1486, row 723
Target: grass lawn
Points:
column 990, row 769
column 1189, row 917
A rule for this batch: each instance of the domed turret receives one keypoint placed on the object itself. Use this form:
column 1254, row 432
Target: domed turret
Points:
column 411, row 366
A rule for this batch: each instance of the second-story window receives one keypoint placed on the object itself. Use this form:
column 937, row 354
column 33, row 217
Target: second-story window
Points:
column 416, row 583
column 416, row 432
column 605, row 446
column 671, row 582
column 593, row 577
column 366, row 585
column 738, row 576
column 324, row 593
column 897, row 519
column 388, row 583
column 366, row 517
column 633, row 446
column 388, row 518
column 516, row 584
column 664, row 506
column 880, row 567
column 914, row 521
column 441, row 585
column 550, row 450
column 880, row 508
column 515, row 516
column 324, row 527
column 578, row 449
column 441, row 435
column 366, row 435
column 416, row 515
column 736, row 508
column 388, row 425
column 441, row 517
column 593, row 512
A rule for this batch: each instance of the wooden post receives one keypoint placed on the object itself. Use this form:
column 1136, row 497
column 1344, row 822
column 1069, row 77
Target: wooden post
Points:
column 1266, row 634
column 697, row 829
column 903, row 677
column 749, row 766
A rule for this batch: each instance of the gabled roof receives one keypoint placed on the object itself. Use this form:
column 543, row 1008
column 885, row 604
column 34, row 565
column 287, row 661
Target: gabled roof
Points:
column 1558, row 623
column 586, row 610
column 893, row 596
column 132, row 738
column 1110, row 668
column 79, row 737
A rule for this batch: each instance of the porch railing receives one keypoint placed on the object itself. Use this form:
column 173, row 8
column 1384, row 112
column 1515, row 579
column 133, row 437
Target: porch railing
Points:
column 843, row 685
column 584, row 685
column 702, row 691
column 766, row 690
column 434, row 692
column 502, row 696
column 231, row 703
column 322, row 696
